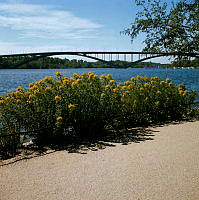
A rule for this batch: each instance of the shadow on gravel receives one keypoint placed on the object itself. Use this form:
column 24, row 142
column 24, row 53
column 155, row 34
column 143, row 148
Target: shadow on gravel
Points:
column 111, row 138
column 82, row 146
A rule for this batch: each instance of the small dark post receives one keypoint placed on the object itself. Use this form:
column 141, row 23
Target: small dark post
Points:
column 14, row 145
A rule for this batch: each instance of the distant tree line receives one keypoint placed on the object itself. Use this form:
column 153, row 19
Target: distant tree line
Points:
column 46, row 62
column 59, row 63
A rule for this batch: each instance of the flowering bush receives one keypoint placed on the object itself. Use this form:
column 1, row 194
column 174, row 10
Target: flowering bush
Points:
column 87, row 104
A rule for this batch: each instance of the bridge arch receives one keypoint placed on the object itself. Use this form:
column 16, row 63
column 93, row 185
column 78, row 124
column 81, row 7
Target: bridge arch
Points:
column 92, row 55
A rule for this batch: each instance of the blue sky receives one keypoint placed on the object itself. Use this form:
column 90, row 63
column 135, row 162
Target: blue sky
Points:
column 66, row 25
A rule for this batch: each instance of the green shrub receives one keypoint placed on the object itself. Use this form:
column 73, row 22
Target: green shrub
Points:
column 88, row 104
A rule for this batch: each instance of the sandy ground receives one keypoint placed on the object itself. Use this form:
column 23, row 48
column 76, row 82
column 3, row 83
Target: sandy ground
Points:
column 165, row 168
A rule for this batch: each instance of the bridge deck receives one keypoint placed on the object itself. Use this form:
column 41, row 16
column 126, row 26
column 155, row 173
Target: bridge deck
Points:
column 95, row 55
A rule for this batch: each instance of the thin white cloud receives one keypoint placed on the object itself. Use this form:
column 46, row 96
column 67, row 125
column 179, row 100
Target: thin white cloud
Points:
column 39, row 21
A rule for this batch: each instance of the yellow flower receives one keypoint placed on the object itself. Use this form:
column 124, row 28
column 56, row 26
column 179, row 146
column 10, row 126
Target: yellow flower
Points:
column 61, row 87
column 48, row 79
column 31, row 96
column 84, row 75
column 57, row 98
column 65, row 81
column 181, row 92
column 127, row 82
column 8, row 98
column 1, row 101
column 157, row 103
column 168, row 80
column 90, row 74
column 58, row 82
column 154, row 78
column 48, row 88
column 109, row 76
column 185, row 93
column 115, row 90
column 95, row 76
column 124, row 87
column 34, row 87
column 74, row 84
column 78, row 80
column 144, row 78
column 19, row 89
column 170, row 84
column 162, row 82
column 71, row 106
column 18, row 93
column 75, row 75
column 133, row 79
column 179, row 89
column 10, row 94
column 38, row 83
column 31, row 84
column 141, row 89
column 27, row 93
column 36, row 92
column 59, row 118
column 146, row 85
column 102, row 95
column 107, row 86
column 58, row 74
column 112, row 81
column 103, row 76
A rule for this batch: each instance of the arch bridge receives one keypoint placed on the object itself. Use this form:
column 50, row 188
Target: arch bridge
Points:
column 103, row 56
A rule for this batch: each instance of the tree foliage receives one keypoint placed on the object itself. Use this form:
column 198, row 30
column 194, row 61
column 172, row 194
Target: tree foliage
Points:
column 169, row 26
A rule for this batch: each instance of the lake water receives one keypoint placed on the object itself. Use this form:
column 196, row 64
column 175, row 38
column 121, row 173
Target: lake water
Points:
column 11, row 79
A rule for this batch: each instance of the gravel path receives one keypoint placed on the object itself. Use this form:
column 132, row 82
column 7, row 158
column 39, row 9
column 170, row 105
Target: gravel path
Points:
column 165, row 168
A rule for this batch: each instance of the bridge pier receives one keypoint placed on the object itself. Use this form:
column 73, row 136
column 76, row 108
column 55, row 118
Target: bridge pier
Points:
column 124, row 57
column 131, row 57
